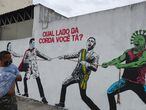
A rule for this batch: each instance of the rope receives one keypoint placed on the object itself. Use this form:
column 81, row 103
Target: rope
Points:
column 77, row 61
column 118, row 95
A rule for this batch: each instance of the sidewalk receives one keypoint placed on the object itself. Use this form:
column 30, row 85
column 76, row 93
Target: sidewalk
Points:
column 30, row 104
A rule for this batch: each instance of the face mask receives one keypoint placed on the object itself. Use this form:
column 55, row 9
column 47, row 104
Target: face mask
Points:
column 7, row 63
column 32, row 45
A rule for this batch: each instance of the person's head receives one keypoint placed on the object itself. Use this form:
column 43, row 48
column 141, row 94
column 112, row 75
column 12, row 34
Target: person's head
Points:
column 91, row 42
column 5, row 58
column 9, row 46
column 138, row 39
column 32, row 43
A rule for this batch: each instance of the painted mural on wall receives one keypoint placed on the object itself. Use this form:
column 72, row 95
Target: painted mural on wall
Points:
column 86, row 61
column 30, row 67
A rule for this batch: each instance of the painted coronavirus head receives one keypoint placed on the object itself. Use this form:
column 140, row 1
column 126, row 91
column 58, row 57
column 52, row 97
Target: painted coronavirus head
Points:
column 91, row 42
column 32, row 43
column 138, row 39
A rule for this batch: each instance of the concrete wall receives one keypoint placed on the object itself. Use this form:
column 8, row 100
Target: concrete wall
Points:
column 16, row 30
column 8, row 6
column 112, row 30
column 42, row 18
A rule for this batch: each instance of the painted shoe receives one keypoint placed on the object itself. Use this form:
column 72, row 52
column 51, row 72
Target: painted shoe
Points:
column 44, row 100
column 60, row 105
column 26, row 95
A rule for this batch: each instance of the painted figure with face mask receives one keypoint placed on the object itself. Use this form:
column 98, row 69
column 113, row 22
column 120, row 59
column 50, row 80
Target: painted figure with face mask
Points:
column 87, row 62
column 134, row 70
column 9, row 73
column 30, row 67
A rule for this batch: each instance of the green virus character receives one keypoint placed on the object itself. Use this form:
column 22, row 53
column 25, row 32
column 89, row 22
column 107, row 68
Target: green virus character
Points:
column 133, row 61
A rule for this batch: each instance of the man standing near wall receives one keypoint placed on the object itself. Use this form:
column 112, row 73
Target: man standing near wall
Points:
column 134, row 70
column 87, row 62
column 8, row 73
column 30, row 67
column 14, row 54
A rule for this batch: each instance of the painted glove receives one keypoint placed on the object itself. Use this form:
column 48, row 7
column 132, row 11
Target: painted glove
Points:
column 104, row 65
column 49, row 59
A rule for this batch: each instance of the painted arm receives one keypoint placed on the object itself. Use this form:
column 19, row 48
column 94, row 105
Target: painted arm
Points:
column 15, row 54
column 70, row 56
column 43, row 56
column 115, row 61
column 141, row 61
